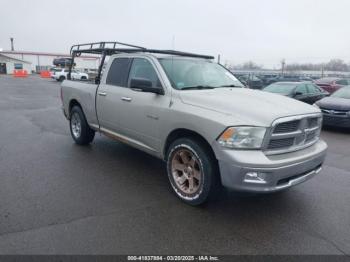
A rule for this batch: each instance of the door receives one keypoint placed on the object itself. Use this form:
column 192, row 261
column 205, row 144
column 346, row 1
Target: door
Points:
column 126, row 113
column 74, row 74
column 139, row 111
column 301, row 93
column 3, row 69
column 108, row 99
column 315, row 93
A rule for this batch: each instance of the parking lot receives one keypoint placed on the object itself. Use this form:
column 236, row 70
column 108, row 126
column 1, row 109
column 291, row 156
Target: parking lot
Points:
column 108, row 198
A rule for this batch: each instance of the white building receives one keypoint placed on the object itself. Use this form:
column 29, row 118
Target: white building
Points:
column 8, row 64
column 43, row 61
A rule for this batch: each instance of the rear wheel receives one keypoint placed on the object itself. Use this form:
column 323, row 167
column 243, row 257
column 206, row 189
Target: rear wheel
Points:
column 83, row 78
column 81, row 132
column 62, row 78
column 192, row 171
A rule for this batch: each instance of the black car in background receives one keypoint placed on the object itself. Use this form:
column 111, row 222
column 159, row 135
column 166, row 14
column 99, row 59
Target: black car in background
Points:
column 304, row 91
column 268, row 78
column 62, row 62
column 251, row 81
column 336, row 108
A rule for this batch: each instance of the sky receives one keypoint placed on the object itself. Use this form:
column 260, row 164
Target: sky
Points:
column 264, row 31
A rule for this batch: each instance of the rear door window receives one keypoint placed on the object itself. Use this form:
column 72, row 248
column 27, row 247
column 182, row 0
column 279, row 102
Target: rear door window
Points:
column 118, row 72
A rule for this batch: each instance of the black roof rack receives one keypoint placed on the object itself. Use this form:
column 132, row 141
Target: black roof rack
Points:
column 110, row 48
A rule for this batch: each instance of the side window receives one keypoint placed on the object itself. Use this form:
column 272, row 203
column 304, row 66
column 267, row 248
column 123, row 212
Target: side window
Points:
column 118, row 72
column 142, row 68
column 18, row 66
column 313, row 89
column 302, row 89
column 342, row 82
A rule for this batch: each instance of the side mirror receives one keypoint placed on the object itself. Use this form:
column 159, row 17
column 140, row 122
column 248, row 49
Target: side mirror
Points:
column 145, row 85
column 298, row 93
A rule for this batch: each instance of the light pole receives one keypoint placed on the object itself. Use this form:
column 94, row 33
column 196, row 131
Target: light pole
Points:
column 12, row 46
column 283, row 63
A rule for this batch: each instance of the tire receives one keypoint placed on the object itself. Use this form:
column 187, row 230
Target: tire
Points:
column 191, row 165
column 83, row 78
column 81, row 133
column 61, row 78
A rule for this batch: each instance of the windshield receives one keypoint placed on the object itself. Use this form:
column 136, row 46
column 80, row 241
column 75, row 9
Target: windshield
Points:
column 187, row 73
column 342, row 93
column 284, row 89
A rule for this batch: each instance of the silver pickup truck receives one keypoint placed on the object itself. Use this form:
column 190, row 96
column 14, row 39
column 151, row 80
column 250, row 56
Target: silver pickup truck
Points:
column 194, row 114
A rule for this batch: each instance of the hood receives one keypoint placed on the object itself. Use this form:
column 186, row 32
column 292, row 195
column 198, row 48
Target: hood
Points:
column 252, row 107
column 335, row 103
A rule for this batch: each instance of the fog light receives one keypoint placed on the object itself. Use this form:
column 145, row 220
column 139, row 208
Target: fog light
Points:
column 255, row 177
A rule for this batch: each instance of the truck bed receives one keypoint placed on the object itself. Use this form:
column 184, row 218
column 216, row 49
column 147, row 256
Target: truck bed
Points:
column 85, row 93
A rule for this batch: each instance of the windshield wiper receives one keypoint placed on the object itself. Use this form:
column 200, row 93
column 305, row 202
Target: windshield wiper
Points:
column 197, row 87
column 229, row 86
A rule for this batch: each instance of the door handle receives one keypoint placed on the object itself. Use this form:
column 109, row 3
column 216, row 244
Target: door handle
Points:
column 127, row 99
column 102, row 93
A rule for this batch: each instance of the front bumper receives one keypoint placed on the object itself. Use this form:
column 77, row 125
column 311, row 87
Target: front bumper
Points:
column 279, row 171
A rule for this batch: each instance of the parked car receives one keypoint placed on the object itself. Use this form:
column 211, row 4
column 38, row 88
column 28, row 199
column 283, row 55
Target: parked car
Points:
column 268, row 79
column 336, row 108
column 63, row 61
column 251, row 81
column 53, row 70
column 305, row 79
column 303, row 91
column 61, row 75
column 288, row 78
column 196, row 116
column 332, row 84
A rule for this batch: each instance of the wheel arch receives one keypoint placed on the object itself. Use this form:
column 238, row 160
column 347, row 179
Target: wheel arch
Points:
column 182, row 133
column 74, row 102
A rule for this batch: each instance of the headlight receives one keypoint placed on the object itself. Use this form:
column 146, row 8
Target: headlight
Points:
column 245, row 137
column 348, row 113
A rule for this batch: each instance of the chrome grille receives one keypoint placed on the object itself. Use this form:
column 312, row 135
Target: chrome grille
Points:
column 293, row 133
column 310, row 136
column 286, row 127
column 312, row 122
column 278, row 143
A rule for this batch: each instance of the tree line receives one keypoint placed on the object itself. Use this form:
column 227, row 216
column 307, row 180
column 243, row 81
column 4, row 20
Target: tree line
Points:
column 332, row 65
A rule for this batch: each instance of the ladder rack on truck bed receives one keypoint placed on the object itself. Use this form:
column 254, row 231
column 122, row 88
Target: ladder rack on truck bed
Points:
column 111, row 48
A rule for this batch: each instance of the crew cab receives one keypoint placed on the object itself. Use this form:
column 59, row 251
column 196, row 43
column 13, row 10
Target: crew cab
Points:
column 61, row 74
column 195, row 115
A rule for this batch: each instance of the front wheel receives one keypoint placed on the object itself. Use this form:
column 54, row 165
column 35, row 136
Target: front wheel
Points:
column 192, row 170
column 79, row 128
